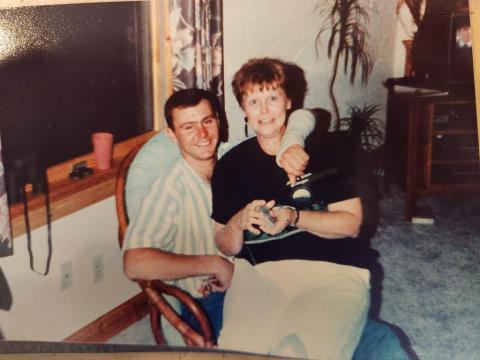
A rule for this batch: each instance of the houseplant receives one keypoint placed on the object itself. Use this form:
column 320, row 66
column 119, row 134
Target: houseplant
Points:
column 363, row 126
column 346, row 21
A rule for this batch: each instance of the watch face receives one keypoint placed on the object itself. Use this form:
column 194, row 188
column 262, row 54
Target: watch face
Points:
column 301, row 196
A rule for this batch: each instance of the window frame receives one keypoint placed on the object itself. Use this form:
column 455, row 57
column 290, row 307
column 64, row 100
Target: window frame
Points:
column 66, row 195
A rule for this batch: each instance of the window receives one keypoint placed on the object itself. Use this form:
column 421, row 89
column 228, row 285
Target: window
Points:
column 49, row 99
column 68, row 71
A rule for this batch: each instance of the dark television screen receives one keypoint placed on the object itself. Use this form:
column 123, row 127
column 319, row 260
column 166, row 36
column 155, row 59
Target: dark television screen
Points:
column 460, row 59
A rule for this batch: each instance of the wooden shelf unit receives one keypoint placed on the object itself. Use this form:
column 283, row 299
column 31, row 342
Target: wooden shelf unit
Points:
column 431, row 145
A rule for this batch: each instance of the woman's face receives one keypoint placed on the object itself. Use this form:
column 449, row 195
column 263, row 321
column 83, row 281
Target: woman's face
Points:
column 266, row 110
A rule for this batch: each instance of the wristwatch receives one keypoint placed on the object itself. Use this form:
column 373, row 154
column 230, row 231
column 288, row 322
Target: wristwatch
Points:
column 296, row 211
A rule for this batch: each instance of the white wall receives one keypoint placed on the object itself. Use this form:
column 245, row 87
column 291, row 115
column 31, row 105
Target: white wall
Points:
column 40, row 310
column 287, row 29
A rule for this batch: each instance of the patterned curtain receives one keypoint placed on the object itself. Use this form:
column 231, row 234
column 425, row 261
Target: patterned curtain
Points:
column 6, row 246
column 197, row 45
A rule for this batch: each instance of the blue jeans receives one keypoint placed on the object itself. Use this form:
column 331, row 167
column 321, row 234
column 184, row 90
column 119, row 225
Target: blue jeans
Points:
column 379, row 342
column 213, row 305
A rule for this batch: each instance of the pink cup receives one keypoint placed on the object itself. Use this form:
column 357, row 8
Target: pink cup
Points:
column 102, row 149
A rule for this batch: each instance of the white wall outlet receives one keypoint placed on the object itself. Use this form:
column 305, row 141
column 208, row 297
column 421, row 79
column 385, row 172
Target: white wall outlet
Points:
column 66, row 279
column 97, row 268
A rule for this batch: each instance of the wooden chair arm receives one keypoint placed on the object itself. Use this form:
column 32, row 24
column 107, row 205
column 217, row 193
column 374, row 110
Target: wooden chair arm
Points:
column 155, row 288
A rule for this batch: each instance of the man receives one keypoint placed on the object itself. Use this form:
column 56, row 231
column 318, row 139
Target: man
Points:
column 170, row 236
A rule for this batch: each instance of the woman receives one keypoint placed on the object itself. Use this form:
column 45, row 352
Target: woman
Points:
column 298, row 288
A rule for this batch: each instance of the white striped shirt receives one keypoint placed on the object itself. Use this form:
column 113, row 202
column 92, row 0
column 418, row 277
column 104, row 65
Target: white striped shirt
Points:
column 175, row 217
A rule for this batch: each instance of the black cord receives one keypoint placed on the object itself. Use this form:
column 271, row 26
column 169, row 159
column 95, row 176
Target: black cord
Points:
column 49, row 230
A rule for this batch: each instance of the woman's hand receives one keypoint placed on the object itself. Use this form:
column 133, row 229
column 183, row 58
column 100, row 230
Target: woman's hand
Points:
column 229, row 237
column 284, row 216
column 252, row 216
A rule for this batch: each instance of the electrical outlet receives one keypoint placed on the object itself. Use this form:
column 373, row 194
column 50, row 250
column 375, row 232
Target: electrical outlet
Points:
column 66, row 279
column 97, row 268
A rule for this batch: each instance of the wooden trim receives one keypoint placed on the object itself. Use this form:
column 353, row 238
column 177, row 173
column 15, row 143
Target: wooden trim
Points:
column 475, row 25
column 68, row 196
column 113, row 322
column 21, row 3
column 156, row 64
column 168, row 73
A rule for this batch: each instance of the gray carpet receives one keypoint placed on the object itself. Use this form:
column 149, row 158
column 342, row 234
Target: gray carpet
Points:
column 431, row 288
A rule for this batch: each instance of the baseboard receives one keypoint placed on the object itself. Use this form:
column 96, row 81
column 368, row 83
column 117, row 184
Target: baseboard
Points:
column 113, row 322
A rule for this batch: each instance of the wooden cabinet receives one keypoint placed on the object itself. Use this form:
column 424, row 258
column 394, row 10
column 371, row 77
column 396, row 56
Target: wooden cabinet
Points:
column 431, row 144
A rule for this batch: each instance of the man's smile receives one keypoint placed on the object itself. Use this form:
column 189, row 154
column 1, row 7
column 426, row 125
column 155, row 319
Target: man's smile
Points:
column 205, row 143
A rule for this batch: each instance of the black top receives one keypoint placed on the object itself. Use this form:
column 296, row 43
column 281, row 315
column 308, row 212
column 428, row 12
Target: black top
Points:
column 247, row 173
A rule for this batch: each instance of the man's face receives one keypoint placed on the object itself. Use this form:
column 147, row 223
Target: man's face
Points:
column 466, row 34
column 266, row 110
column 195, row 130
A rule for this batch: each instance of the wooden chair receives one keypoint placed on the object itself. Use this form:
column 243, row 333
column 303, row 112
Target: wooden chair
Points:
column 155, row 289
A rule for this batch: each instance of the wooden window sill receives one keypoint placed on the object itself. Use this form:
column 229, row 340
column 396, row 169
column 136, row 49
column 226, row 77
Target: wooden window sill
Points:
column 68, row 196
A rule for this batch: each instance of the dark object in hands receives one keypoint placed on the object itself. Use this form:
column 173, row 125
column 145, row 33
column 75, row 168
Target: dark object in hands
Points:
column 268, row 218
column 302, row 194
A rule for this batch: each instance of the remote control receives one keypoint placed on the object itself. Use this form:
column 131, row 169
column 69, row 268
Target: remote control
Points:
column 268, row 218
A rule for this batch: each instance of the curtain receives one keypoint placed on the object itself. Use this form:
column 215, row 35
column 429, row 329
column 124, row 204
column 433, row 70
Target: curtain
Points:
column 6, row 246
column 197, row 45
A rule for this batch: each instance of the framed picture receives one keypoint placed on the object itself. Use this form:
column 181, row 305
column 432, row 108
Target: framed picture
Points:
column 460, row 58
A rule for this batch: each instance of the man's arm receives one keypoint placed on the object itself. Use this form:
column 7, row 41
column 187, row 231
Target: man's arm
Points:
column 149, row 247
column 291, row 156
column 156, row 264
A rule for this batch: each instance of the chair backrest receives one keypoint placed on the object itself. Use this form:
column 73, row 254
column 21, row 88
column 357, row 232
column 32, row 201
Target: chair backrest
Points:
column 120, row 192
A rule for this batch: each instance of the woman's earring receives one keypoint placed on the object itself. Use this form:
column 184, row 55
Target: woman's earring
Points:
column 246, row 126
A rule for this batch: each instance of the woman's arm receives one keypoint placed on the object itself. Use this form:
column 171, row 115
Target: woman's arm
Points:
column 229, row 237
column 343, row 219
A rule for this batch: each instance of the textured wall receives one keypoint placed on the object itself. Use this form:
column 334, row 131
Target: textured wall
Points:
column 287, row 30
column 41, row 310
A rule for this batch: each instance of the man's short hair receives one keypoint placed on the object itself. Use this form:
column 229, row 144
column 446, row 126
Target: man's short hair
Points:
column 264, row 72
column 186, row 98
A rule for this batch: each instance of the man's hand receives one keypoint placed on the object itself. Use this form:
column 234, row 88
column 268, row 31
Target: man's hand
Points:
column 220, row 281
column 294, row 160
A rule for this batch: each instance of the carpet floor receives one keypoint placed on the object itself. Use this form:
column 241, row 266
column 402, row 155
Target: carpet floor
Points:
column 431, row 288
column 431, row 285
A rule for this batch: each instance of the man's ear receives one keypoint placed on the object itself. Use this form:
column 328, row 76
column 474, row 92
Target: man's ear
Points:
column 289, row 104
column 171, row 134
